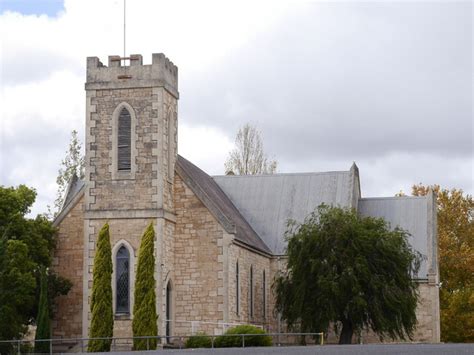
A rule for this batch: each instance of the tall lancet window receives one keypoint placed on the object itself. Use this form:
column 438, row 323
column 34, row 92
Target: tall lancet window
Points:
column 124, row 149
column 122, row 264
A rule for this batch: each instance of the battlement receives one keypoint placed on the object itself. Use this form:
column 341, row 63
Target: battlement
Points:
column 161, row 72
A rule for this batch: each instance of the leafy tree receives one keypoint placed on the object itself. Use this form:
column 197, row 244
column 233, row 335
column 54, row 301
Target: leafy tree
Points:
column 26, row 246
column 43, row 321
column 102, row 322
column 144, row 309
column 248, row 158
column 456, row 261
column 72, row 164
column 17, row 290
column 350, row 271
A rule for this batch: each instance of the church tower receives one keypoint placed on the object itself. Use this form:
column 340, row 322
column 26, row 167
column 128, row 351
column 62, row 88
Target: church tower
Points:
column 131, row 150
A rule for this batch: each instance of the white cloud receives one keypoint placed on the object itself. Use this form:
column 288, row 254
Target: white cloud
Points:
column 327, row 83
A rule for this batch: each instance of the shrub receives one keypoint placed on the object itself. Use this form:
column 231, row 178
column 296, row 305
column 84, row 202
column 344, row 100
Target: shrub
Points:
column 102, row 322
column 144, row 309
column 230, row 340
column 200, row 340
column 43, row 329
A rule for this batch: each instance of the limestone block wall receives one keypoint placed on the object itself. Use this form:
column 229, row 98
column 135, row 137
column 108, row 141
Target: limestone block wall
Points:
column 427, row 314
column 198, row 269
column 126, row 193
column 127, row 232
column 260, row 265
column 67, row 262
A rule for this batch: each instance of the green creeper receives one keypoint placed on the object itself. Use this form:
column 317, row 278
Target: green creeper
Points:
column 350, row 271
column 102, row 322
column 144, row 309
column 43, row 321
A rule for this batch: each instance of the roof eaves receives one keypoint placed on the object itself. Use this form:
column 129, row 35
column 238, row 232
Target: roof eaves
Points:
column 206, row 200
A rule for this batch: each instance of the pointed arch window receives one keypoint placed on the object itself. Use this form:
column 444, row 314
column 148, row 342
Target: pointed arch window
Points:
column 124, row 140
column 264, row 294
column 122, row 281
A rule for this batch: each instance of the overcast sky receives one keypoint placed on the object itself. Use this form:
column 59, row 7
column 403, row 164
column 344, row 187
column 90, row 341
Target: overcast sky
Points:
column 385, row 84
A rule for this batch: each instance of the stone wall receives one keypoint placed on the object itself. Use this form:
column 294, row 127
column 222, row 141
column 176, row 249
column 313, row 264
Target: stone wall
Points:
column 67, row 262
column 259, row 263
column 198, row 270
column 122, row 232
column 427, row 314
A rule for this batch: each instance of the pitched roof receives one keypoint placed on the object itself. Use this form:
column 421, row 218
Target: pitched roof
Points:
column 417, row 215
column 268, row 201
column 219, row 204
column 74, row 190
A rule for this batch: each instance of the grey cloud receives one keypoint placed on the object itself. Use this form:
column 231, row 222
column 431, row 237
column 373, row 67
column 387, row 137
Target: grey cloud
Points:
column 25, row 65
column 337, row 80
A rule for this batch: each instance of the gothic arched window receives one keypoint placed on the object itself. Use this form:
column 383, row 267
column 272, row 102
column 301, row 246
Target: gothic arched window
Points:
column 124, row 140
column 122, row 264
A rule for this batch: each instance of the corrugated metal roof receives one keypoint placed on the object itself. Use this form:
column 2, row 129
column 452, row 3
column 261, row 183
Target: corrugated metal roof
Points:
column 409, row 213
column 268, row 201
column 218, row 204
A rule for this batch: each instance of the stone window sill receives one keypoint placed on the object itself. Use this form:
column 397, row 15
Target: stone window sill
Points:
column 122, row 316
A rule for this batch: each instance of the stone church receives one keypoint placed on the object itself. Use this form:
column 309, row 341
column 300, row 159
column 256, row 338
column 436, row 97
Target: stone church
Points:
column 219, row 240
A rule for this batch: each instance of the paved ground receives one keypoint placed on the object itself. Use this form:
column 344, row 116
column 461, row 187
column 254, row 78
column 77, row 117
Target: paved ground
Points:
column 372, row 349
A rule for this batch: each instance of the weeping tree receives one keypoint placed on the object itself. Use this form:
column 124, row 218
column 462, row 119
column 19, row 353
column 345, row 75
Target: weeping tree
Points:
column 144, row 308
column 43, row 321
column 102, row 322
column 351, row 272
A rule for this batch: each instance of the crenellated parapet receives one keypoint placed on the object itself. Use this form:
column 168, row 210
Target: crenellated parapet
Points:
column 160, row 73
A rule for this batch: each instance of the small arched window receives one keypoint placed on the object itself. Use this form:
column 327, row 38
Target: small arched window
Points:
column 122, row 264
column 124, row 140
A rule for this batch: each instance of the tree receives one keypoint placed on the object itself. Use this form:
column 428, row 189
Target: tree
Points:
column 350, row 271
column 102, row 322
column 456, row 261
column 248, row 158
column 72, row 164
column 26, row 246
column 144, row 309
column 17, row 290
column 43, row 321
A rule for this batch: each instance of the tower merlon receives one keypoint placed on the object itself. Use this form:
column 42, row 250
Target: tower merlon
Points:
column 160, row 73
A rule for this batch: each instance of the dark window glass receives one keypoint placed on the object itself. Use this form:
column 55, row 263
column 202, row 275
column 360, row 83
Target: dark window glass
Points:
column 251, row 291
column 237, row 288
column 124, row 148
column 264, row 295
column 122, row 281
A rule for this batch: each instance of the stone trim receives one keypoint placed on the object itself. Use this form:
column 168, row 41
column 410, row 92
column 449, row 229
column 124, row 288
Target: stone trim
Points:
column 69, row 207
column 354, row 187
column 250, row 248
column 228, row 226
column 133, row 84
column 131, row 267
column 131, row 214
column 116, row 174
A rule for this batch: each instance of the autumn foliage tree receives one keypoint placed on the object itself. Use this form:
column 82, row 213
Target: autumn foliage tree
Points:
column 456, row 261
column 144, row 310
